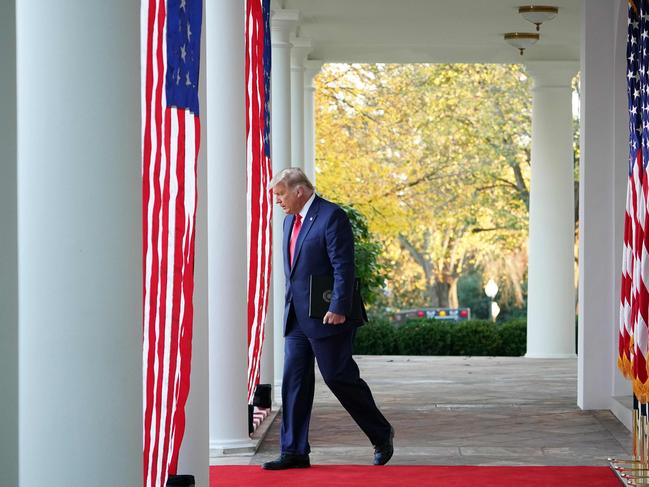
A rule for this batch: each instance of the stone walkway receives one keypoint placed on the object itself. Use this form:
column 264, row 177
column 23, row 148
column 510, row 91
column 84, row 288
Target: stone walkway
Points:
column 464, row 411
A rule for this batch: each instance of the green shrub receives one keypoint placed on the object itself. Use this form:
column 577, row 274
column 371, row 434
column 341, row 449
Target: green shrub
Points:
column 513, row 338
column 433, row 337
column 475, row 338
column 409, row 337
column 424, row 337
column 378, row 337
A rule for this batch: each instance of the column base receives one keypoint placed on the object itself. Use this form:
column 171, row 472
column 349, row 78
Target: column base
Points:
column 221, row 450
column 243, row 446
column 550, row 355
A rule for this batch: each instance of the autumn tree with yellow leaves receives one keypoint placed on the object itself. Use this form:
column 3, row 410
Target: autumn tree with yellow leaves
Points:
column 437, row 157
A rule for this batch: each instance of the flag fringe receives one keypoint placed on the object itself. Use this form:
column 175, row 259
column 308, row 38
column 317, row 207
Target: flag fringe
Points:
column 641, row 390
column 625, row 366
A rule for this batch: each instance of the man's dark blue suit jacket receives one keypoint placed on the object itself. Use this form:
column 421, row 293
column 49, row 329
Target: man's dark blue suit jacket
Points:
column 325, row 246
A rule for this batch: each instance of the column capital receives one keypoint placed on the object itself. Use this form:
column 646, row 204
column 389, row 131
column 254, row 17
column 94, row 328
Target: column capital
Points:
column 311, row 68
column 552, row 73
column 283, row 23
column 300, row 50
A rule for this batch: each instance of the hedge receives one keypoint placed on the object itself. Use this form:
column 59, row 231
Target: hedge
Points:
column 376, row 338
column 433, row 337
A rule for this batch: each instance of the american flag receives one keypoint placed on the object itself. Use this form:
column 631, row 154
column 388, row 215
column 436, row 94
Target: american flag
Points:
column 634, row 300
column 171, row 31
column 259, row 200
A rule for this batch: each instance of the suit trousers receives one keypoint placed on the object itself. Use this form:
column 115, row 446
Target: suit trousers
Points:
column 340, row 373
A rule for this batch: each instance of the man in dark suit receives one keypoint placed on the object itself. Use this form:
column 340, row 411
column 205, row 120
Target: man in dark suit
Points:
column 318, row 241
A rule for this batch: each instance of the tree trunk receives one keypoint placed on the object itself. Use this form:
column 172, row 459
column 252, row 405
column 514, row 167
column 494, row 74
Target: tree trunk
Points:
column 446, row 291
column 431, row 293
column 432, row 298
column 442, row 289
column 452, row 293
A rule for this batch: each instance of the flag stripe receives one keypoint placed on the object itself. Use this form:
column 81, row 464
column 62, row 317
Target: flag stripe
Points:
column 161, row 169
column 167, row 297
column 153, row 284
column 177, row 196
column 253, row 190
column 187, row 286
column 148, row 13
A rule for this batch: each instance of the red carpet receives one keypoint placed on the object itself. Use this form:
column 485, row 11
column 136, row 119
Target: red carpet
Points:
column 418, row 476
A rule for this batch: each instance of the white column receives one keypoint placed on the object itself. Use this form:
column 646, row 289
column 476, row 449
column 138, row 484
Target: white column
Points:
column 79, row 243
column 311, row 69
column 193, row 457
column 226, row 226
column 551, row 288
column 283, row 22
column 602, row 193
column 299, row 51
column 8, row 249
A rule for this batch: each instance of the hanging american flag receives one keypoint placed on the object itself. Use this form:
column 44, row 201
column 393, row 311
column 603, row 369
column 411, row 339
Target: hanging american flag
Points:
column 634, row 302
column 259, row 212
column 170, row 44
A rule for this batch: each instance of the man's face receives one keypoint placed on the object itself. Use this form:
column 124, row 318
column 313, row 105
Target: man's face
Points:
column 288, row 199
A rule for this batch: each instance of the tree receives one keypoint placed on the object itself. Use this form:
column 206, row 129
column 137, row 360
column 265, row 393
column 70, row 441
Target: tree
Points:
column 437, row 157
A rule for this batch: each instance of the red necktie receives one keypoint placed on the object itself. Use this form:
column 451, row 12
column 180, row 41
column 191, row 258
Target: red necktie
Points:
column 296, row 231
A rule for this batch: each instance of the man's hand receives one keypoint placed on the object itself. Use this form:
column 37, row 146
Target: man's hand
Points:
column 333, row 319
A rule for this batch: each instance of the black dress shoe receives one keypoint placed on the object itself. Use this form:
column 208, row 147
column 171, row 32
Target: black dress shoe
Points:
column 287, row 460
column 383, row 453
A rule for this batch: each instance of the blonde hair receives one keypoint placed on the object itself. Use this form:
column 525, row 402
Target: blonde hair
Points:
column 292, row 177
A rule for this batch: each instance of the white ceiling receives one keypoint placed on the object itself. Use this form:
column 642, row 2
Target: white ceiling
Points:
column 432, row 31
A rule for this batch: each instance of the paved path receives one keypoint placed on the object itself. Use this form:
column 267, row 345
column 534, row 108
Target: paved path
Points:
column 465, row 411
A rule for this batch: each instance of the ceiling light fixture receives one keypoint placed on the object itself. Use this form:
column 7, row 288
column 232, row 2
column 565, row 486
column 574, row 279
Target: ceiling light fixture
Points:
column 521, row 40
column 537, row 14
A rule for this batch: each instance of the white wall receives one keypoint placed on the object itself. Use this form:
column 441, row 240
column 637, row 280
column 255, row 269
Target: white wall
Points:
column 602, row 193
column 8, row 249
column 79, row 227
